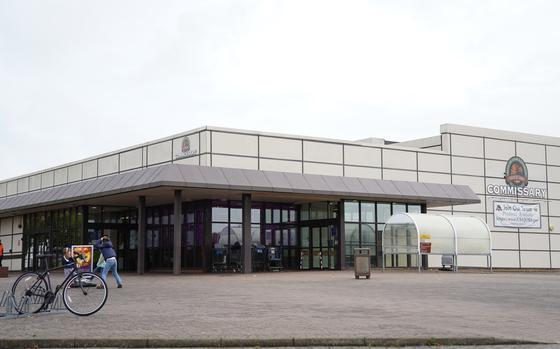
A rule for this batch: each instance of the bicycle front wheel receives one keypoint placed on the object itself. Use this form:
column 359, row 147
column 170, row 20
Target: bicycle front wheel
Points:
column 29, row 292
column 84, row 294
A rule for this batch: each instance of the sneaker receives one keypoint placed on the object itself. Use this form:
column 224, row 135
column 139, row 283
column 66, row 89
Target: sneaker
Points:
column 119, row 286
column 99, row 286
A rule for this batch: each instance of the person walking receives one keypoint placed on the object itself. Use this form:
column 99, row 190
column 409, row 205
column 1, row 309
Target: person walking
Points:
column 106, row 247
column 1, row 252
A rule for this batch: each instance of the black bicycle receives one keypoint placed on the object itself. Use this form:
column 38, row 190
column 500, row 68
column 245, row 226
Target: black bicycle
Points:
column 83, row 293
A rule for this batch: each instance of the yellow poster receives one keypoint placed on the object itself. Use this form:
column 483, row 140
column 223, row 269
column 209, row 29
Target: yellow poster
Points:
column 83, row 255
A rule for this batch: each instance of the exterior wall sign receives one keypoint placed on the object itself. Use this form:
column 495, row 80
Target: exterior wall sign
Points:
column 516, row 176
column 187, row 149
column 425, row 243
column 85, row 257
column 517, row 215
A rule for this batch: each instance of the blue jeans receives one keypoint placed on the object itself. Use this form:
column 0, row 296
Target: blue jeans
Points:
column 111, row 265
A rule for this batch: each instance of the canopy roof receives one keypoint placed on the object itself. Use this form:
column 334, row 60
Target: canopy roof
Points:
column 201, row 179
column 455, row 235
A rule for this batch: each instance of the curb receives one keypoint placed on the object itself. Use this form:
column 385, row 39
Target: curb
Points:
column 252, row 342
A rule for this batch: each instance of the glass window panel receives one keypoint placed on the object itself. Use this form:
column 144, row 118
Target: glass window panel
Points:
column 351, row 211
column 383, row 212
column 255, row 215
column 284, row 215
column 149, row 238
column 304, row 237
column 292, row 215
column 190, row 217
column 156, row 216
column 256, row 233
column 414, row 208
column 293, row 236
column 268, row 237
column 316, row 239
column 277, row 237
column 133, row 241
column 219, row 214
column 276, row 215
column 190, row 235
column 285, row 237
column 165, row 216
column 155, row 234
column 235, row 234
column 268, row 215
column 235, row 215
column 368, row 212
column 219, row 234
column 149, row 214
column 352, row 237
column 399, row 208
column 304, row 212
column 368, row 235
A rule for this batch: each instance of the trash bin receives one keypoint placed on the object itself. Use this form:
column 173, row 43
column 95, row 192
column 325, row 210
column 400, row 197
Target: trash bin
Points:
column 362, row 266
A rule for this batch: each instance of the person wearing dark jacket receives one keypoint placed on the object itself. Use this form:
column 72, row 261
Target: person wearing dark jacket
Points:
column 106, row 247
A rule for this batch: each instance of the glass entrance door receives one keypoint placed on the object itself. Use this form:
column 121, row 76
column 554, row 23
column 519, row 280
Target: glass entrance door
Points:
column 318, row 247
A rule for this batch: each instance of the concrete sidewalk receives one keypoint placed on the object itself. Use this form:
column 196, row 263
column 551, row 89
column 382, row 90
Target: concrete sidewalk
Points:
column 306, row 305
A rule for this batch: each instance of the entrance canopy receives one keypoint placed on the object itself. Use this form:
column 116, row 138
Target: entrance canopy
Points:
column 424, row 234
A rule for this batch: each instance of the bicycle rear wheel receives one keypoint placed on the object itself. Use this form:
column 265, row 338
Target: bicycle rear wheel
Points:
column 29, row 292
column 84, row 294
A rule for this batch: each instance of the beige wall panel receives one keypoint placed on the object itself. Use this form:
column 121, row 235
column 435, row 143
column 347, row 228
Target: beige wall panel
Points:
column 468, row 166
column 555, row 259
column 553, row 174
column 397, row 175
column 193, row 160
column 555, row 242
column 505, row 241
column 472, row 261
column 554, row 191
column 536, row 173
column 109, row 165
column 281, row 165
column 434, row 261
column 205, row 160
column 475, row 183
column 322, row 152
column 90, row 169
column 75, row 173
column 495, row 168
column 6, row 226
column 34, row 182
column 471, row 207
column 434, row 163
column 427, row 177
column 531, row 259
column 446, row 143
column 553, row 155
column 533, row 241
column 280, row 148
column 497, row 149
column 131, row 159
column 322, row 169
column 158, row 153
column 362, row 172
column 3, row 189
column 61, row 176
column 364, row 156
column 467, row 146
column 438, row 210
column 405, row 160
column 18, row 225
column 234, row 162
column 554, row 206
column 144, row 156
column 204, row 142
column 47, row 179
column 531, row 152
column 12, row 188
column 23, row 185
column 505, row 259
column 554, row 223
column 7, row 242
column 469, row 214
column 234, row 144
column 16, row 264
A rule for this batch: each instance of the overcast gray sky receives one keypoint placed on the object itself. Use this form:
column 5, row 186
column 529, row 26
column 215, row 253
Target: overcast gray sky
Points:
column 79, row 78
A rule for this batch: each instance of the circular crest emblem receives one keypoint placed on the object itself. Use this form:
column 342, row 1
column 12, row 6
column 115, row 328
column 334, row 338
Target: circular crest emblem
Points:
column 186, row 145
column 516, row 172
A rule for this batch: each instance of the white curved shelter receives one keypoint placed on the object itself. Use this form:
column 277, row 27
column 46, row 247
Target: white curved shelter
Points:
column 416, row 234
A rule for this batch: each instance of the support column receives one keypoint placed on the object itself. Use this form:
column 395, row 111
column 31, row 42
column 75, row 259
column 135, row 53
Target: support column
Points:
column 141, row 220
column 341, row 237
column 177, row 233
column 246, row 228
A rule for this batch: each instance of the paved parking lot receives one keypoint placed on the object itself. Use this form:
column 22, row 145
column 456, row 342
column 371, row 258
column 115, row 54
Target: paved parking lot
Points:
column 314, row 304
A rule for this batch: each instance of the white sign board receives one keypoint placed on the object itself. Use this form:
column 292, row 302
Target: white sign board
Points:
column 517, row 215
